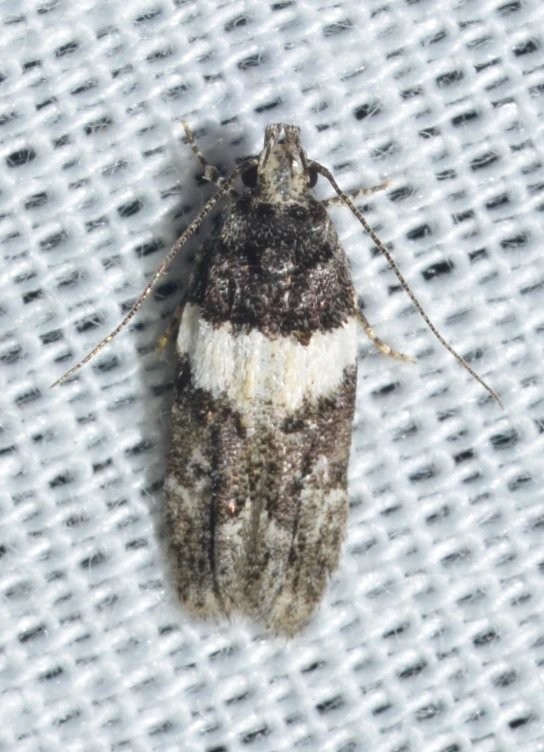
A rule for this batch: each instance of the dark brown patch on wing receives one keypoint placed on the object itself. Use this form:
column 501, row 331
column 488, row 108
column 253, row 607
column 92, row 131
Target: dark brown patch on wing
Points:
column 259, row 525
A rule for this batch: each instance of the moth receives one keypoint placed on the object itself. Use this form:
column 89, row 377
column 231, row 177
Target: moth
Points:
column 264, row 392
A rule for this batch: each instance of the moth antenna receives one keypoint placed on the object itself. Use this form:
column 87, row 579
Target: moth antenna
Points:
column 347, row 201
column 184, row 237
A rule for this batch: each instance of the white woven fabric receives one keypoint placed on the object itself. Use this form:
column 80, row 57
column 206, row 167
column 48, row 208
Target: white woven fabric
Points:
column 431, row 637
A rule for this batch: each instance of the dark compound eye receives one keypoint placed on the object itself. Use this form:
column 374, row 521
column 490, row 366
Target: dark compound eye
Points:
column 249, row 177
column 312, row 178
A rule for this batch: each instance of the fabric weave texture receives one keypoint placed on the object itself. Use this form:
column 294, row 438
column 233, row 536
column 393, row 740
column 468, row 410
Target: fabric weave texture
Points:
column 431, row 636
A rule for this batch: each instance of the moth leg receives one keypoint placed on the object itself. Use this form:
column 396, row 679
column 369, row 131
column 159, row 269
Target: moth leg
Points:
column 380, row 344
column 337, row 201
column 171, row 331
column 211, row 173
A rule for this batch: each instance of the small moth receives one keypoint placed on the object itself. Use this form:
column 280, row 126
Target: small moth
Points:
column 266, row 365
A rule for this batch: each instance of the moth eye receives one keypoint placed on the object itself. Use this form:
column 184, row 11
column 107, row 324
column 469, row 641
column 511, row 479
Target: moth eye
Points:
column 249, row 177
column 312, row 178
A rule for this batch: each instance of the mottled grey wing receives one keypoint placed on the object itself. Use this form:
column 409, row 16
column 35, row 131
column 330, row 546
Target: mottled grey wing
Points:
column 256, row 517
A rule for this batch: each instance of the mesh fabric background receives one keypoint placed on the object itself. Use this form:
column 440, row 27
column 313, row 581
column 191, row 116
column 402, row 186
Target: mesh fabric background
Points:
column 431, row 636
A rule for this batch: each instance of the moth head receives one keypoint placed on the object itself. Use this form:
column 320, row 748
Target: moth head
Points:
column 281, row 174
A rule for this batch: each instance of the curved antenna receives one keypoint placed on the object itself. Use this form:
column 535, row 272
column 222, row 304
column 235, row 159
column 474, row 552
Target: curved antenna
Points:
column 184, row 237
column 347, row 201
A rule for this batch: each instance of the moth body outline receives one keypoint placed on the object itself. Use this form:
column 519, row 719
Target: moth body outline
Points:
column 264, row 398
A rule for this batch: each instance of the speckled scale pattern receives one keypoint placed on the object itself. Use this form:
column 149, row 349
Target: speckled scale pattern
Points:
column 257, row 497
